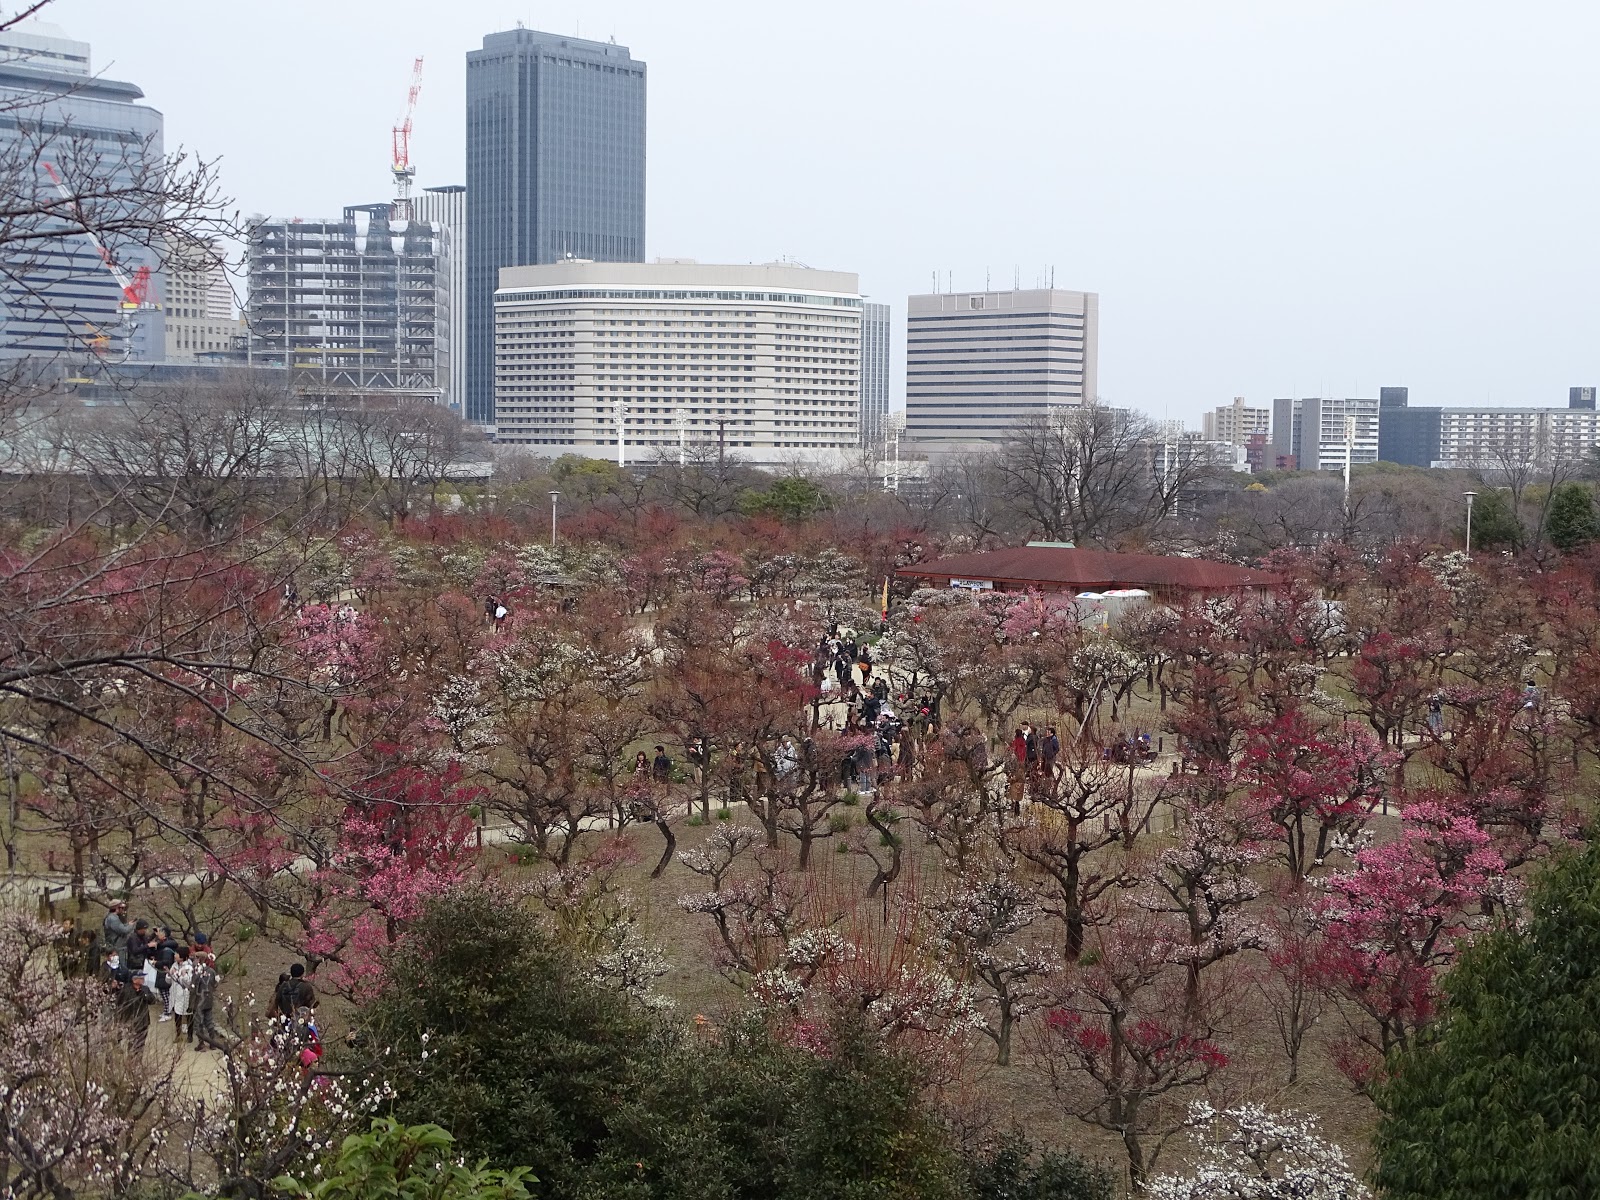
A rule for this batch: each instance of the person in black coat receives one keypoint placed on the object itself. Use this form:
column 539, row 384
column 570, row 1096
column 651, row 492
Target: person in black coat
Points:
column 133, row 1008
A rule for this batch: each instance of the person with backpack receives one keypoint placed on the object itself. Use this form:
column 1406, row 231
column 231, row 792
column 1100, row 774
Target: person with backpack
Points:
column 293, row 993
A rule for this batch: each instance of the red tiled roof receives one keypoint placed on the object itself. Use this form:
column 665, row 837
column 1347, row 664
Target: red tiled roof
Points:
column 1091, row 570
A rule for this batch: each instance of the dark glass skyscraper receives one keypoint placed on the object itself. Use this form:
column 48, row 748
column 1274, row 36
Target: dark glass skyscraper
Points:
column 555, row 169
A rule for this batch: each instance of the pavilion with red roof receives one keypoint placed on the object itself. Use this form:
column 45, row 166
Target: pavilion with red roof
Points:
column 1056, row 567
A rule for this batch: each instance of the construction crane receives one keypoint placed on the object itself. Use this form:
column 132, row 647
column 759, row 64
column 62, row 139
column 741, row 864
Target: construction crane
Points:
column 404, row 172
column 135, row 288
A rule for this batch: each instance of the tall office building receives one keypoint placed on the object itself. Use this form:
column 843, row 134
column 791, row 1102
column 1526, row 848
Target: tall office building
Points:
column 445, row 208
column 1235, row 423
column 555, row 169
column 981, row 365
column 762, row 361
column 1311, row 433
column 875, row 343
column 58, row 298
column 355, row 308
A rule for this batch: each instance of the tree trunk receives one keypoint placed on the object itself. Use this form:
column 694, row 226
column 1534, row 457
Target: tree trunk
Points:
column 665, row 826
column 1003, row 1036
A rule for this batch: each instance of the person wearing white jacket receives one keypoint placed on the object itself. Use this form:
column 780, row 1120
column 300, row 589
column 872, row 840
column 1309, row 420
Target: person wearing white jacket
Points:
column 180, row 976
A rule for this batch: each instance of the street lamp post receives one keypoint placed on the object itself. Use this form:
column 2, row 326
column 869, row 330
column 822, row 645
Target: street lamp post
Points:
column 1470, row 497
column 553, row 497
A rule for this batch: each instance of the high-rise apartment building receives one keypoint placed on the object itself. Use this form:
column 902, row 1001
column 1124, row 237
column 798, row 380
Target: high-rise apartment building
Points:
column 875, row 348
column 445, row 208
column 356, row 308
column 197, row 304
column 1489, row 438
column 981, row 365
column 555, row 169
column 761, row 361
column 57, row 296
column 1235, row 423
column 1313, row 432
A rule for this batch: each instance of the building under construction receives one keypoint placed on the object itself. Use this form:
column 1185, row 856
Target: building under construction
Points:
column 357, row 309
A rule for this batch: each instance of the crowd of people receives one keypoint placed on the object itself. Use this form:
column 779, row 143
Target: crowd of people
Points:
column 844, row 667
column 142, row 965
column 150, row 975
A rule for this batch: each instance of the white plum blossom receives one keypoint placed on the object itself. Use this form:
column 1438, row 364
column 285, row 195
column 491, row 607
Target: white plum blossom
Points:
column 1248, row 1153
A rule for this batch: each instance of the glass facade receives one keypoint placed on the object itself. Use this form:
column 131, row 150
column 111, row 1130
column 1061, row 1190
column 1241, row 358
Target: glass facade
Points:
column 555, row 169
column 875, row 330
column 1408, row 436
column 58, row 298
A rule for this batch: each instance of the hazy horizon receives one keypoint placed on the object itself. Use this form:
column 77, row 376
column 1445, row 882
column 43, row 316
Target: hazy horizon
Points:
column 1270, row 200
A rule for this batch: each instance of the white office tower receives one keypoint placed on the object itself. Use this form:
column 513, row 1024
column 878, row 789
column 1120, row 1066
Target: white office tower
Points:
column 982, row 365
column 198, row 307
column 762, row 361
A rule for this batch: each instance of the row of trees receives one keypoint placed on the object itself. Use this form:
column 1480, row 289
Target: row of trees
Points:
column 316, row 768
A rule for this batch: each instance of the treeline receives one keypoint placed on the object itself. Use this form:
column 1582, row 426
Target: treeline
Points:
column 210, row 459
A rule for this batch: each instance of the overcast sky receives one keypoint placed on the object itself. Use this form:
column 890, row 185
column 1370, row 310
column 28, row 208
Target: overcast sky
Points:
column 1270, row 196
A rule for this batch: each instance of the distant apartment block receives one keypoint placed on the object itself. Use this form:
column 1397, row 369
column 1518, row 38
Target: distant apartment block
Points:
column 875, row 348
column 1488, row 438
column 1235, row 423
column 356, row 308
column 445, row 208
column 982, row 365
column 1313, row 432
column 555, row 170
column 759, row 361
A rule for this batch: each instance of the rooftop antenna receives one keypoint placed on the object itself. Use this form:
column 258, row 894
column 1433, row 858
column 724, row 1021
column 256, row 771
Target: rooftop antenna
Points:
column 986, row 279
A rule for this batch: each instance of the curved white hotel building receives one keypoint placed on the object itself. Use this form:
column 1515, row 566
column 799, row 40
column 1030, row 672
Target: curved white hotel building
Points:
column 763, row 361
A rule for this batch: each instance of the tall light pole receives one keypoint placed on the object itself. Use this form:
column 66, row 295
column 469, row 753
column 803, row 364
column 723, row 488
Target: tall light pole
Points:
column 1349, row 457
column 1470, row 496
column 553, row 497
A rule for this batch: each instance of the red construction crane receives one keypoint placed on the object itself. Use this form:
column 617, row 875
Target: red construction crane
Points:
column 134, row 290
column 404, row 172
